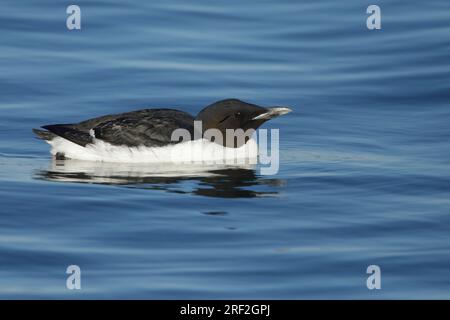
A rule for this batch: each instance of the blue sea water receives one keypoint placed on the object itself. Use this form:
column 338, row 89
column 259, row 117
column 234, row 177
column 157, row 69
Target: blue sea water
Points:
column 364, row 158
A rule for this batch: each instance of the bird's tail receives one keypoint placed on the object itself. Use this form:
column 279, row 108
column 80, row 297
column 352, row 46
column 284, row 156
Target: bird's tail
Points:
column 44, row 134
column 69, row 132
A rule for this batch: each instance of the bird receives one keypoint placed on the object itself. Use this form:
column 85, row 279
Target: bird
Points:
column 149, row 132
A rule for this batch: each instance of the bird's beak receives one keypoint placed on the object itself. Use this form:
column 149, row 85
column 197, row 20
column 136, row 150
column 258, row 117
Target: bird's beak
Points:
column 272, row 113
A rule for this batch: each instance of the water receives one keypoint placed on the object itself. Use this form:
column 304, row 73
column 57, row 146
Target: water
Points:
column 364, row 173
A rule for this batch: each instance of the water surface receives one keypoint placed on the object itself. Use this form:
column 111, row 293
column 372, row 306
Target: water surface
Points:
column 364, row 171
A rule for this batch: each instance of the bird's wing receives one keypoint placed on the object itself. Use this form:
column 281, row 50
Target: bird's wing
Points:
column 149, row 127
column 151, row 131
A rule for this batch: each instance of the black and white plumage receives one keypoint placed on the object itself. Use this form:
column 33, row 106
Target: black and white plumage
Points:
column 153, row 128
column 148, row 127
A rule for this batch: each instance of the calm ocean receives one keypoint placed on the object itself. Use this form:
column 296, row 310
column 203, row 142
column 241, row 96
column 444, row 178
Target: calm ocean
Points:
column 364, row 173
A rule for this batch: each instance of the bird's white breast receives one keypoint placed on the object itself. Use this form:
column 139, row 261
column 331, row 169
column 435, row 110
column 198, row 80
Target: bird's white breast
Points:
column 190, row 151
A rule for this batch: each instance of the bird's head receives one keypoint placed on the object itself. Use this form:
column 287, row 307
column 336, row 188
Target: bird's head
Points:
column 236, row 114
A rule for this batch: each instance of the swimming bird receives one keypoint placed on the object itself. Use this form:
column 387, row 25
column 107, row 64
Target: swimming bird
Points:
column 149, row 131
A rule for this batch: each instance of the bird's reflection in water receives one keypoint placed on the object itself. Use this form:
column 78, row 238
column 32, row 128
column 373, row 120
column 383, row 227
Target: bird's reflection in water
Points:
column 203, row 180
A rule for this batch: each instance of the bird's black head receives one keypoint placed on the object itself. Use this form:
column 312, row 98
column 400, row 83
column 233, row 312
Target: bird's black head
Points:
column 235, row 114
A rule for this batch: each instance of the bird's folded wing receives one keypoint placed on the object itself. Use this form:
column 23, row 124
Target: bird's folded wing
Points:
column 151, row 131
column 148, row 127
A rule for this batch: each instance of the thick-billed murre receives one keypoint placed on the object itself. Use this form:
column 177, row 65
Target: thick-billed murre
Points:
column 149, row 130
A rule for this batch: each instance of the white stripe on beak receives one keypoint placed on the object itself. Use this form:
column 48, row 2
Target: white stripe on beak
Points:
column 272, row 112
